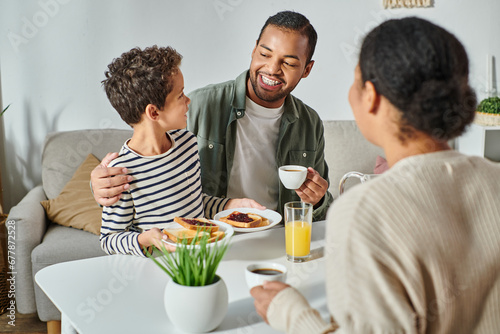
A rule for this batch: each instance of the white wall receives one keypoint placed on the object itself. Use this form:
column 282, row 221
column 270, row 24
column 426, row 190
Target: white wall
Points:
column 53, row 54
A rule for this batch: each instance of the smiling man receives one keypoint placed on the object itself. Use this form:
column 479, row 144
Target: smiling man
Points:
column 248, row 127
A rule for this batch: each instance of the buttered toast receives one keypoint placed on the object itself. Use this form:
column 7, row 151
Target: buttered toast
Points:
column 179, row 234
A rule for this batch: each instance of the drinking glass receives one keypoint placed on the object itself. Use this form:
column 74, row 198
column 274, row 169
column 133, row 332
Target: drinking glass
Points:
column 298, row 225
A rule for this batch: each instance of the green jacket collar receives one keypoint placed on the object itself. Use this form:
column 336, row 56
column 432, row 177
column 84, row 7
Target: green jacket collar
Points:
column 240, row 92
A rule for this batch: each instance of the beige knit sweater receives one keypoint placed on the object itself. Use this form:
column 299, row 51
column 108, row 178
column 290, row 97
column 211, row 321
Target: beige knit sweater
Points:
column 416, row 250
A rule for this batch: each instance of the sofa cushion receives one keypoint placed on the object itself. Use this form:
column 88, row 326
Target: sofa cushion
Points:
column 346, row 150
column 61, row 244
column 75, row 206
column 64, row 151
column 381, row 165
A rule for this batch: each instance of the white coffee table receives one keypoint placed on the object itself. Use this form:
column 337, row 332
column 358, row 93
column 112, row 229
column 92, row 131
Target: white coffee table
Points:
column 124, row 294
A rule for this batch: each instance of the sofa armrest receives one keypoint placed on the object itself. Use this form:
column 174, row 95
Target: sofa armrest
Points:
column 30, row 225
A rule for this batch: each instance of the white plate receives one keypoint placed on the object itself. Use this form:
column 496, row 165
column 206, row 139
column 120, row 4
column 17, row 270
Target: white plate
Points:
column 226, row 228
column 273, row 216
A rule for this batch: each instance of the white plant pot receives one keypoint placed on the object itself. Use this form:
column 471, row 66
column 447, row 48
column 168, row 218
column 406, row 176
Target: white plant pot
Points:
column 196, row 309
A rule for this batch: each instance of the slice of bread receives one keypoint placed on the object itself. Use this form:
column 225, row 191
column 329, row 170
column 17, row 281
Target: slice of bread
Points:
column 179, row 234
column 244, row 220
column 264, row 222
column 197, row 223
column 218, row 235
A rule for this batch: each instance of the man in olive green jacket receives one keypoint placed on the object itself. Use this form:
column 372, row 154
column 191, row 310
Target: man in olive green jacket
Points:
column 213, row 115
column 250, row 126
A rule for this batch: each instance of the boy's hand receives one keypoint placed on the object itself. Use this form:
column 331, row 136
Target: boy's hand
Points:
column 154, row 237
column 108, row 183
column 243, row 203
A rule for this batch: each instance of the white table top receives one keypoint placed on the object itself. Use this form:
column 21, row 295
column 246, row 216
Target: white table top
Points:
column 124, row 293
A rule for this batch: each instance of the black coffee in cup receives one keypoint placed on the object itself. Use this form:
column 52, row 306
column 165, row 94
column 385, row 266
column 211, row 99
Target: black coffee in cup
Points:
column 267, row 271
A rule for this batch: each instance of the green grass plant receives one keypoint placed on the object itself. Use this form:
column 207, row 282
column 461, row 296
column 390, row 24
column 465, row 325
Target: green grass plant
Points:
column 191, row 266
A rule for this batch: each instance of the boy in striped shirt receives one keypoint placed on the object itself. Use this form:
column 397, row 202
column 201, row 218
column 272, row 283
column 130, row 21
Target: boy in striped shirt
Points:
column 146, row 87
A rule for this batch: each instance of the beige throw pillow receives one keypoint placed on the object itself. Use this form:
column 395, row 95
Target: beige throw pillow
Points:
column 75, row 206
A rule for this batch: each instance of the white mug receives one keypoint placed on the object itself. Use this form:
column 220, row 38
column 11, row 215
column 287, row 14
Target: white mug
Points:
column 254, row 278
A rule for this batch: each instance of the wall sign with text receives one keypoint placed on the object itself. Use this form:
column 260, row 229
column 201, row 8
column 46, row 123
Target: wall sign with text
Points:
column 407, row 3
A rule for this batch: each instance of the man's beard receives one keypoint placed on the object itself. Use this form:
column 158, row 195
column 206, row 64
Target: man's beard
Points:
column 267, row 96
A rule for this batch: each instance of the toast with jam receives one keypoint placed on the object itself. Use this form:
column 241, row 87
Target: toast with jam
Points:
column 197, row 223
column 244, row 220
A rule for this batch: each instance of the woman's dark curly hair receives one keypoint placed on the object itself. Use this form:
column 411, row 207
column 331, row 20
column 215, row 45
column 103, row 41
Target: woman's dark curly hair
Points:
column 423, row 71
column 140, row 77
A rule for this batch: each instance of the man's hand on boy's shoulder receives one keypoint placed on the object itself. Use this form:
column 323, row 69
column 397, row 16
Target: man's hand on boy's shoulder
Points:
column 108, row 183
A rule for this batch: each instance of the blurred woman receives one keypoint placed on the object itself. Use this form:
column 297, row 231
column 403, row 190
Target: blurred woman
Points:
column 416, row 250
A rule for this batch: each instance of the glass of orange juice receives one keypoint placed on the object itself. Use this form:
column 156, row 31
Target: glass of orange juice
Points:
column 298, row 224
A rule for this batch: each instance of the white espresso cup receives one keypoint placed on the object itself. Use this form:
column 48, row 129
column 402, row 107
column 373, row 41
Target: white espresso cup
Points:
column 257, row 273
column 292, row 176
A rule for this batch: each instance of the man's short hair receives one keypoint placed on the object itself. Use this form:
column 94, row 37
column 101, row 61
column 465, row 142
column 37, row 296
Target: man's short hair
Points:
column 140, row 77
column 292, row 21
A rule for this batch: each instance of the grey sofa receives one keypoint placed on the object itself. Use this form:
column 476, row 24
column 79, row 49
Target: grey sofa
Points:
column 40, row 243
